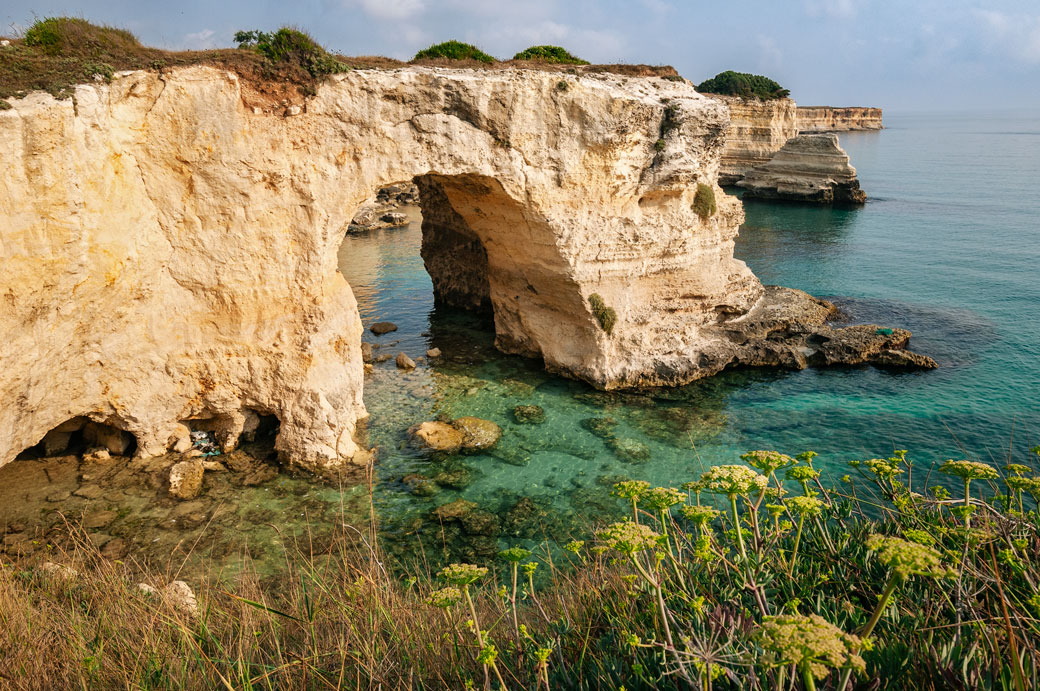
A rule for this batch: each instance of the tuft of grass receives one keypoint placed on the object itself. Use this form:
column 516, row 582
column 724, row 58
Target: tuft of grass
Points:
column 606, row 316
column 704, row 201
column 551, row 54
column 71, row 35
column 453, row 50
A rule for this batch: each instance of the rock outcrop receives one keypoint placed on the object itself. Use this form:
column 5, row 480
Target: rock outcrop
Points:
column 384, row 211
column 809, row 168
column 757, row 130
column 169, row 254
column 831, row 119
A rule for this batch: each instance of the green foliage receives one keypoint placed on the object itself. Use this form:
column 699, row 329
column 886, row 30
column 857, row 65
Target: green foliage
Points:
column 70, row 35
column 606, row 316
column 704, row 201
column 551, row 54
column 742, row 84
column 4, row 105
column 562, row 85
column 288, row 45
column 673, row 77
column 453, row 50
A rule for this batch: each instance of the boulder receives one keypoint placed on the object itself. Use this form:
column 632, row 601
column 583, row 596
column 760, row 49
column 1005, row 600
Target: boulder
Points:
column 404, row 362
column 437, row 436
column 115, row 440
column 477, row 434
column 380, row 328
column 97, row 454
column 186, row 479
column 55, row 442
column 433, row 352
column 529, row 414
column 366, row 352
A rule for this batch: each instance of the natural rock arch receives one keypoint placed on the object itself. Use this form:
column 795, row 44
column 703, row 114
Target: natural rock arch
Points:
column 170, row 254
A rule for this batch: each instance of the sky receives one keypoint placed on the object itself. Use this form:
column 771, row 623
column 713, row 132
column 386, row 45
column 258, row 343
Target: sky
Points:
column 909, row 55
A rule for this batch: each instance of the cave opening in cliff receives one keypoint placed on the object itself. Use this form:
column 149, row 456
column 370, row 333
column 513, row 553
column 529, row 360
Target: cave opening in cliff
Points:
column 79, row 435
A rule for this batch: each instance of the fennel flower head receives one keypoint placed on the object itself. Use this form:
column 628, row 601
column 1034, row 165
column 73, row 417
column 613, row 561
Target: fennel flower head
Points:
column 445, row 597
column 908, row 558
column 969, row 470
column 809, row 642
column 699, row 515
column 805, row 506
column 631, row 489
column 767, row 461
column 732, row 480
column 661, row 498
column 628, row 537
column 462, row 574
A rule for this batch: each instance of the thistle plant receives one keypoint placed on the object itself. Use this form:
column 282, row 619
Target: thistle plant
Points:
column 810, row 644
column 734, row 481
column 968, row 471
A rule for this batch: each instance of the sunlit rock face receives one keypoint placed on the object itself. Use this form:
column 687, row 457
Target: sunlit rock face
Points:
column 757, row 130
column 834, row 119
column 809, row 168
column 169, row 254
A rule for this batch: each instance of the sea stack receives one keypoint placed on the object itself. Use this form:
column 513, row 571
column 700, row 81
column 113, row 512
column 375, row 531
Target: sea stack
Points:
column 808, row 168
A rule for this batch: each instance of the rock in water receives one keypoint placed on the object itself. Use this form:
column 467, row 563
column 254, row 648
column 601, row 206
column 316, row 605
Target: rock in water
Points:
column 366, row 352
column 437, row 436
column 433, row 352
column 808, row 168
column 404, row 362
column 529, row 414
column 186, row 479
column 380, row 328
column 478, row 434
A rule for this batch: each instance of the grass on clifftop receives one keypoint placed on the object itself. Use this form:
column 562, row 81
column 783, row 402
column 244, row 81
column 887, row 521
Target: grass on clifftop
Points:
column 550, row 54
column 453, row 50
column 760, row 575
column 742, row 84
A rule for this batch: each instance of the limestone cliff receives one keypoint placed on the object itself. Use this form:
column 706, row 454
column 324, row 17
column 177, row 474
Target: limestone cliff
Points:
column 808, row 168
column 169, row 254
column 831, row 119
column 757, row 130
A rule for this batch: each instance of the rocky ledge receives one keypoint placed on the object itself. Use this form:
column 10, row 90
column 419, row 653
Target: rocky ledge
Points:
column 384, row 211
column 808, row 168
column 832, row 119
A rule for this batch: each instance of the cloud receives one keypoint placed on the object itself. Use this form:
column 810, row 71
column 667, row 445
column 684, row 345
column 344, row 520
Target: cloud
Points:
column 200, row 40
column 390, row 9
column 1014, row 35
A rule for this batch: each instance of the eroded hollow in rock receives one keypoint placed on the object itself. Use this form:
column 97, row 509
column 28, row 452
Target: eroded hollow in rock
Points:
column 80, row 434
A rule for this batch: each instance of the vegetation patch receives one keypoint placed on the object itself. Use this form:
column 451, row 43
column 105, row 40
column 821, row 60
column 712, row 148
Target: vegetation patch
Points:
column 70, row 35
column 606, row 316
column 453, row 50
column 742, row 84
column 551, row 54
column 292, row 46
column 704, row 201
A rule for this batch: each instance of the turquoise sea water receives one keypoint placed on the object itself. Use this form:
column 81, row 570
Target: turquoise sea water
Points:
column 948, row 246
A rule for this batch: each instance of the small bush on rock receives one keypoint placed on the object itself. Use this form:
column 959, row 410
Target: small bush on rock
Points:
column 454, row 50
column 704, row 201
column 291, row 45
column 730, row 83
column 552, row 54
column 606, row 316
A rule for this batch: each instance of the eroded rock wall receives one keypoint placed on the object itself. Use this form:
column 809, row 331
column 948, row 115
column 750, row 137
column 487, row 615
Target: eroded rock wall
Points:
column 832, row 119
column 808, row 168
column 169, row 255
column 757, row 130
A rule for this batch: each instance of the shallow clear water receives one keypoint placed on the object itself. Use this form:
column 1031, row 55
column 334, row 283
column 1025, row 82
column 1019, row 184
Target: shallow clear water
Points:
column 948, row 247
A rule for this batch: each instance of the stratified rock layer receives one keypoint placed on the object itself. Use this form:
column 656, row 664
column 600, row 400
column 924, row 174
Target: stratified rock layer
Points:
column 757, row 130
column 169, row 254
column 809, row 168
column 832, row 119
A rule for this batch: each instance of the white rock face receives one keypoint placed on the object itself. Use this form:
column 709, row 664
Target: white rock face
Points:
column 757, row 130
column 168, row 256
column 809, row 168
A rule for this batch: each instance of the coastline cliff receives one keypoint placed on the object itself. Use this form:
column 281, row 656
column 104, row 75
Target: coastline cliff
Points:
column 757, row 130
column 831, row 119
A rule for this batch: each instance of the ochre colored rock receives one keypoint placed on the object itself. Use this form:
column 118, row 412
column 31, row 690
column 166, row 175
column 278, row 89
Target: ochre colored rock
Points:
column 437, row 436
column 477, row 434
column 833, row 119
column 757, row 130
column 186, row 479
column 404, row 362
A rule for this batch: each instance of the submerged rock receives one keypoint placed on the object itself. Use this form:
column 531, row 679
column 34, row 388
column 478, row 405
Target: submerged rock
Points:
column 808, row 168
column 529, row 414
column 437, row 436
column 380, row 328
column 366, row 352
column 433, row 352
column 630, row 450
column 477, row 434
column 420, row 485
column 602, row 427
column 186, row 479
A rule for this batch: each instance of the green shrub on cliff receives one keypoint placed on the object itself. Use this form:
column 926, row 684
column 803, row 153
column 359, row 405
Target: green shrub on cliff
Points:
column 70, row 35
column 606, row 316
column 552, row 54
column 704, row 201
column 292, row 46
column 730, row 83
column 453, row 50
